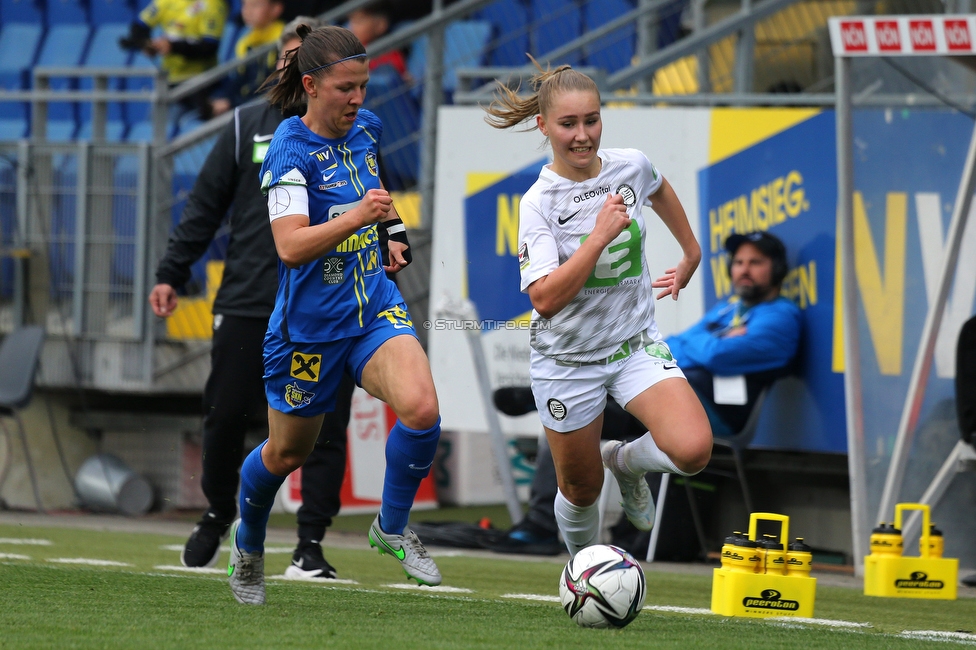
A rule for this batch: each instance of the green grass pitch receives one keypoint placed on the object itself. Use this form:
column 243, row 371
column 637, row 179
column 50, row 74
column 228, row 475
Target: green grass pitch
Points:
column 48, row 600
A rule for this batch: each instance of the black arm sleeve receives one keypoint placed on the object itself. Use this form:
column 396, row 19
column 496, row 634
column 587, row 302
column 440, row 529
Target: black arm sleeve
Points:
column 137, row 37
column 966, row 381
column 202, row 49
column 209, row 200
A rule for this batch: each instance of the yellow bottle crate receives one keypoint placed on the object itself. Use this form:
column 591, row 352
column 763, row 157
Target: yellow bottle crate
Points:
column 774, row 592
column 925, row 576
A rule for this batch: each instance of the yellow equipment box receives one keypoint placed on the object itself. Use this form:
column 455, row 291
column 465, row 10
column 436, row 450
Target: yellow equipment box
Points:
column 925, row 576
column 759, row 582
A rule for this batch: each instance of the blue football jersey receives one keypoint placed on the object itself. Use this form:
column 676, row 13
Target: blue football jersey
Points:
column 337, row 295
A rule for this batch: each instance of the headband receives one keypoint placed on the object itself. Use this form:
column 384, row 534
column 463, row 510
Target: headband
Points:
column 354, row 56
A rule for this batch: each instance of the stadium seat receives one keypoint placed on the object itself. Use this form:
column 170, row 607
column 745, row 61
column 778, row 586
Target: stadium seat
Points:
column 64, row 46
column 112, row 11
column 104, row 52
column 67, row 12
column 510, row 34
column 390, row 99
column 136, row 112
column 465, row 45
column 22, row 11
column 227, row 41
column 615, row 50
column 19, row 354
column 554, row 24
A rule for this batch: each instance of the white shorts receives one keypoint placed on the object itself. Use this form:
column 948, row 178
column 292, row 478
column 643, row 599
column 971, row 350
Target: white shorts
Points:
column 569, row 398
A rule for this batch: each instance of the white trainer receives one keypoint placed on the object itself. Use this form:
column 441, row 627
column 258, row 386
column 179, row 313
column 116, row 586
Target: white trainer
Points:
column 245, row 573
column 408, row 549
column 638, row 504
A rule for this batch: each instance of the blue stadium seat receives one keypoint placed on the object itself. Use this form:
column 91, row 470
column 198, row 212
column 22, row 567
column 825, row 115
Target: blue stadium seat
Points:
column 554, row 24
column 67, row 12
column 18, row 50
column 510, row 38
column 390, row 98
column 615, row 50
column 104, row 52
column 136, row 112
column 112, row 11
column 139, row 132
column 13, row 128
column 64, row 46
column 22, row 11
column 114, row 131
column 227, row 41
column 465, row 45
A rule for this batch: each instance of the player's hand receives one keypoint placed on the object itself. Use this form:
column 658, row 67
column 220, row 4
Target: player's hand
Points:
column 675, row 279
column 161, row 45
column 397, row 261
column 163, row 300
column 611, row 220
column 374, row 206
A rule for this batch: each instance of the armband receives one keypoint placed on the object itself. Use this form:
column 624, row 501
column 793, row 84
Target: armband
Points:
column 398, row 232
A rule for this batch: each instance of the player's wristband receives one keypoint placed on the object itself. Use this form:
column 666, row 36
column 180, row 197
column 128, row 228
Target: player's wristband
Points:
column 398, row 233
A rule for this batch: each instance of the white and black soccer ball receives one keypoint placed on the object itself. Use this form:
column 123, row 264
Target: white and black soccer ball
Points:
column 603, row 586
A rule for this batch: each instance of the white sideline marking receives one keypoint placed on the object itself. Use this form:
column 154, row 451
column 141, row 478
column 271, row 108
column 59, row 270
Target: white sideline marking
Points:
column 936, row 635
column 321, row 581
column 679, row 610
column 440, row 588
column 190, row 569
column 547, row 599
column 86, row 560
column 819, row 621
column 13, row 556
column 20, row 540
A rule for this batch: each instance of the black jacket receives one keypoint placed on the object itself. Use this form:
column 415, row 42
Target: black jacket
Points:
column 230, row 176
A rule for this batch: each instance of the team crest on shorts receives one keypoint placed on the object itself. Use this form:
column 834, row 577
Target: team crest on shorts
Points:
column 628, row 194
column 296, row 397
column 371, row 163
column 556, row 409
column 659, row 350
column 306, row 366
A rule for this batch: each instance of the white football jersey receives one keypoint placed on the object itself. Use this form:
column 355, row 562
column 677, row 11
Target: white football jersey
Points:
column 555, row 216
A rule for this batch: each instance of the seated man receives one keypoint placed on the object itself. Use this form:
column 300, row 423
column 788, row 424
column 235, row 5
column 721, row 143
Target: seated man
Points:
column 747, row 341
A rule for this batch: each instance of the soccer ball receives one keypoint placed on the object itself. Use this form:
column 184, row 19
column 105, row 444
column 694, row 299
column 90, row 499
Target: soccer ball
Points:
column 602, row 586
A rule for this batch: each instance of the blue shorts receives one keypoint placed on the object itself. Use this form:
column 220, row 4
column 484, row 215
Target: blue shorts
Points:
column 303, row 378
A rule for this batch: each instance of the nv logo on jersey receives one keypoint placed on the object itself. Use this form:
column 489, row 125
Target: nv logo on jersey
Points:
column 323, row 154
column 306, row 366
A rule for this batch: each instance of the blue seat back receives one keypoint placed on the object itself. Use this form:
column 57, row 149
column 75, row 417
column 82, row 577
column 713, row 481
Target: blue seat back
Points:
column 615, row 50
column 67, row 12
column 104, row 52
column 64, row 46
column 510, row 32
column 22, row 11
column 18, row 45
column 465, row 46
column 390, row 98
column 112, row 11
column 228, row 40
column 554, row 23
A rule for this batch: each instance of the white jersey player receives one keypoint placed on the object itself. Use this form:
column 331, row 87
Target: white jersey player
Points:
column 581, row 254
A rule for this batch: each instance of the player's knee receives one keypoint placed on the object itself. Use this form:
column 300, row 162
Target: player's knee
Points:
column 421, row 413
column 282, row 462
column 581, row 494
column 695, row 457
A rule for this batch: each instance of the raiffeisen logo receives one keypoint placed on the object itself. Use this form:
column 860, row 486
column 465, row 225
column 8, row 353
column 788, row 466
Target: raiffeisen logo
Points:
column 770, row 599
column 919, row 580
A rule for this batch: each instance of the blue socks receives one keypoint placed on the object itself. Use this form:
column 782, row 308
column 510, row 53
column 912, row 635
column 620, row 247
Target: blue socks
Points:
column 409, row 455
column 258, row 490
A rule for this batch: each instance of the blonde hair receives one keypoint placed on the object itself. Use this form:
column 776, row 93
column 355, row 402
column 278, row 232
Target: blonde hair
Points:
column 508, row 109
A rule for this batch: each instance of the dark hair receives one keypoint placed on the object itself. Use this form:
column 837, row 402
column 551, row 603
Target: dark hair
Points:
column 320, row 48
column 768, row 244
column 508, row 109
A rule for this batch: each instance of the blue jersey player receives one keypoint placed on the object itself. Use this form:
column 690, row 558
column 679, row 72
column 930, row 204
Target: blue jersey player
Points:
column 335, row 309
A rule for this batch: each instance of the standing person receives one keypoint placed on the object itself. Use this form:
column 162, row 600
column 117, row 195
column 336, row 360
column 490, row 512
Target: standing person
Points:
column 335, row 310
column 234, row 394
column 581, row 254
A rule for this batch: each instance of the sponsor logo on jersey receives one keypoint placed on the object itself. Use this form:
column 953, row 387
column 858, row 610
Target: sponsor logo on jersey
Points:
column 306, row 366
column 523, row 256
column 659, row 350
column 333, row 270
column 371, row 163
column 359, row 240
column 589, row 194
column 294, row 177
column 562, row 221
column 398, row 316
column 770, row 599
column 330, row 172
column 333, row 185
column 323, row 154
column 556, row 409
column 297, row 397
column 628, row 194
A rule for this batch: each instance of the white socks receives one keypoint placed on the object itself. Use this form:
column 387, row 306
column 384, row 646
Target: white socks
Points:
column 580, row 525
column 643, row 455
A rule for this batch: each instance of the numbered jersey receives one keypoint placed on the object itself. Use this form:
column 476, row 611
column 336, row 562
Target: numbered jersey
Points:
column 556, row 215
column 337, row 295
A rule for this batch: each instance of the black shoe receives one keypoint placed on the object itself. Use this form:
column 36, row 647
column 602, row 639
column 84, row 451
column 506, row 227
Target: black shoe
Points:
column 527, row 539
column 969, row 581
column 203, row 547
column 308, row 562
